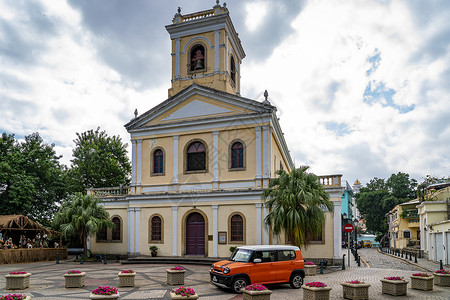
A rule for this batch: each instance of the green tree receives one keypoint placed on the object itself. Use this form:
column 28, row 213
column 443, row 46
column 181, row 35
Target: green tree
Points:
column 32, row 180
column 99, row 161
column 80, row 216
column 379, row 196
column 296, row 201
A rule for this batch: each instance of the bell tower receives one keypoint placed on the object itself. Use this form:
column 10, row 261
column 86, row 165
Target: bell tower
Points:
column 206, row 50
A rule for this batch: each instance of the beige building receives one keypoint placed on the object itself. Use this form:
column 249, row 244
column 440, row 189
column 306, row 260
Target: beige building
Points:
column 202, row 158
column 404, row 225
column 434, row 214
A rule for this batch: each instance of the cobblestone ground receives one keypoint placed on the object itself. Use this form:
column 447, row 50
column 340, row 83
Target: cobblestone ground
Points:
column 47, row 281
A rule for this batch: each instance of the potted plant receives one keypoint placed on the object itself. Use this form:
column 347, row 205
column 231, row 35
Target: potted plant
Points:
column 154, row 251
column 15, row 297
column 126, row 278
column 256, row 292
column 175, row 276
column 310, row 268
column 74, row 279
column 316, row 291
column 442, row 277
column 355, row 290
column 105, row 292
column 183, row 293
column 394, row 285
column 232, row 248
column 422, row 281
column 17, row 280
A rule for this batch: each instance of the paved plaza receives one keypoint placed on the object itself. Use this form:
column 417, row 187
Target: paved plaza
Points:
column 47, row 281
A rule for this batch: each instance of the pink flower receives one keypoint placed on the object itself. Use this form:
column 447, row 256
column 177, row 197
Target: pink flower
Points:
column 309, row 263
column 177, row 269
column 127, row 271
column 442, row 271
column 394, row 278
column 105, row 290
column 421, row 274
column 13, row 297
column 73, row 272
column 17, row 273
column 255, row 287
column 354, row 281
column 184, row 291
column 316, row 284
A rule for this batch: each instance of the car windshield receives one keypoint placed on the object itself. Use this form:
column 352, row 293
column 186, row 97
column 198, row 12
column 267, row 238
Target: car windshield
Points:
column 241, row 255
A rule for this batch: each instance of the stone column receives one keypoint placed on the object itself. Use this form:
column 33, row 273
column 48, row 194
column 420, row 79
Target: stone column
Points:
column 337, row 232
column 137, row 211
column 133, row 162
column 216, row 51
column 177, row 59
column 258, row 223
column 258, row 152
column 266, row 229
column 139, row 161
column 265, row 151
column 215, row 233
column 175, row 159
column 215, row 155
column 130, row 231
column 174, row 230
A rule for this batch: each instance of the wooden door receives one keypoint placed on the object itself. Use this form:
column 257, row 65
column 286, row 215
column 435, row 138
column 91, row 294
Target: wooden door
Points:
column 195, row 234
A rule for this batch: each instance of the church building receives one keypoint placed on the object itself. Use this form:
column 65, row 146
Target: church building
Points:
column 202, row 158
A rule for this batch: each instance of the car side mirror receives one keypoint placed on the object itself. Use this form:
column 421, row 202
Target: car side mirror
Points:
column 257, row 260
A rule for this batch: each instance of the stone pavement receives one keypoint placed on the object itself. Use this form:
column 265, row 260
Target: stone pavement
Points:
column 47, row 281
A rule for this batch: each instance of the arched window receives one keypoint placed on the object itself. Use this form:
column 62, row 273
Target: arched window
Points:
column 116, row 230
column 156, row 229
column 237, row 155
column 237, row 228
column 233, row 70
column 197, row 58
column 158, row 161
column 196, row 157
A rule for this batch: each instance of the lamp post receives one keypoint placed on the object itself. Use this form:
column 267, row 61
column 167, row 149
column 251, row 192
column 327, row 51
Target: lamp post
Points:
column 355, row 222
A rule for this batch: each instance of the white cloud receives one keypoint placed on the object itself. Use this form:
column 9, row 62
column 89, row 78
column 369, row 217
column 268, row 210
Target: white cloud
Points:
column 256, row 11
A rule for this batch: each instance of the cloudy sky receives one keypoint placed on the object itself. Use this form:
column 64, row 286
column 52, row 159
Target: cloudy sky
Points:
column 362, row 87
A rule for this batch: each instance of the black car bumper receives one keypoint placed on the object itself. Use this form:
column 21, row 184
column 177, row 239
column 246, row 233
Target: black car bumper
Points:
column 220, row 280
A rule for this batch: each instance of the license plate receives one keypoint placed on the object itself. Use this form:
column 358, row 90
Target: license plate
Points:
column 214, row 279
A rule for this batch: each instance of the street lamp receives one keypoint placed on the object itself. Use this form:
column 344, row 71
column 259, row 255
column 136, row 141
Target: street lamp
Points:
column 355, row 222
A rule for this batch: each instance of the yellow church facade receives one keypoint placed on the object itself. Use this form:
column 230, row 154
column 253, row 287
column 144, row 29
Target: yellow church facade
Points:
column 202, row 158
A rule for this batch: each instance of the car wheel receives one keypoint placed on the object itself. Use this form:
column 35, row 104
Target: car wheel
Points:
column 296, row 281
column 239, row 284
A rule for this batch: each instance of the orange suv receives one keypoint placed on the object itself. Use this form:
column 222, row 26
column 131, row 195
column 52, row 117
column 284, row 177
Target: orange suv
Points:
column 264, row 264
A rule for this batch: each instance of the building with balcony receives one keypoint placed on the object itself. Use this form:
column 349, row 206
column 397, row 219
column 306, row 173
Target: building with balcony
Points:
column 404, row 230
column 202, row 158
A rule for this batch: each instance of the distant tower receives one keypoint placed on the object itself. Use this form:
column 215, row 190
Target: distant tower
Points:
column 206, row 50
column 356, row 186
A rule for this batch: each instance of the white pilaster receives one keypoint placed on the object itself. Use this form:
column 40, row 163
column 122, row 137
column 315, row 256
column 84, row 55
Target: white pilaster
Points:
column 444, row 244
column 216, row 51
column 258, row 151
column 266, row 229
column 174, row 229
column 215, row 233
column 177, row 59
column 258, row 223
column 216, row 155
column 133, row 162
column 175, row 159
column 265, row 151
column 227, row 66
column 137, row 212
column 130, row 231
column 337, row 232
column 138, row 161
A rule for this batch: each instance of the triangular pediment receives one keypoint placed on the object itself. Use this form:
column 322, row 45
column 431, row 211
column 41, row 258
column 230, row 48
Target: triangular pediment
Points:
column 197, row 103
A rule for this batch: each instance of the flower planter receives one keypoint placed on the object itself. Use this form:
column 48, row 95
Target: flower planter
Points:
column 75, row 280
column 126, row 279
column 394, row 287
column 441, row 279
column 256, row 295
column 316, row 293
column 310, row 270
column 103, row 297
column 174, row 296
column 175, row 277
column 17, row 281
column 355, row 291
column 26, row 297
column 422, row 283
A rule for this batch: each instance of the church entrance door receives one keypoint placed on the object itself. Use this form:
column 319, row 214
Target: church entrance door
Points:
column 195, row 234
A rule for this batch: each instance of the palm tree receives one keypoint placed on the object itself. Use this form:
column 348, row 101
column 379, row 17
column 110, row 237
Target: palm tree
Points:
column 296, row 203
column 81, row 215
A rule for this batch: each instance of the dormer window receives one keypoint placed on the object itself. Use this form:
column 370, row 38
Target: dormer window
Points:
column 197, row 58
column 233, row 70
